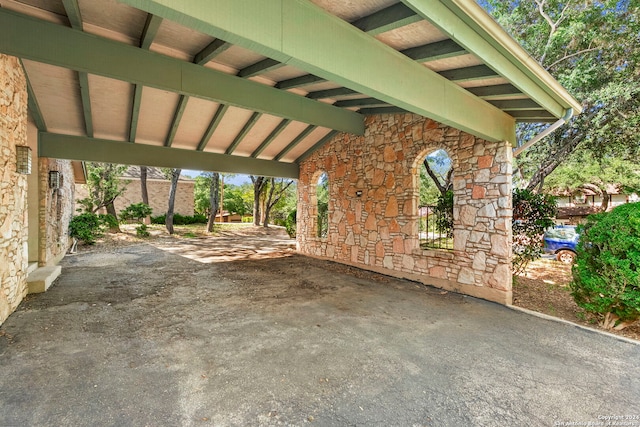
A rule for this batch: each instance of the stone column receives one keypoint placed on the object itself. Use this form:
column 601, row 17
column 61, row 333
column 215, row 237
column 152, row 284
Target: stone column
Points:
column 13, row 187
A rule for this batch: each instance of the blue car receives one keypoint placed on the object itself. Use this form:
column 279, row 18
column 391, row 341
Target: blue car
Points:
column 561, row 241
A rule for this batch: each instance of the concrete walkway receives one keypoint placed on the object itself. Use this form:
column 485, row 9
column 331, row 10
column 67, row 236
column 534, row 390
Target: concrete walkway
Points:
column 143, row 336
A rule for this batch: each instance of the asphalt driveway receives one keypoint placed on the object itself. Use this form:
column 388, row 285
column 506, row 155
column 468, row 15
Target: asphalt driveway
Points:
column 164, row 334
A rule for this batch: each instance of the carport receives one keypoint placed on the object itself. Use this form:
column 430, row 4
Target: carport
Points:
column 361, row 90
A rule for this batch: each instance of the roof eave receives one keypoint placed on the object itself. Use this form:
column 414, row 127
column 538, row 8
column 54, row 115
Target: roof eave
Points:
column 489, row 29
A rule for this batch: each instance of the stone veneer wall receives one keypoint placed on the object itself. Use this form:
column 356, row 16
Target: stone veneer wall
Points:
column 158, row 196
column 13, row 187
column 379, row 230
column 56, row 208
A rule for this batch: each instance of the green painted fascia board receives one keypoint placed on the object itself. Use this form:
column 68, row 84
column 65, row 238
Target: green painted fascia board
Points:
column 54, row 44
column 101, row 150
column 440, row 14
column 301, row 34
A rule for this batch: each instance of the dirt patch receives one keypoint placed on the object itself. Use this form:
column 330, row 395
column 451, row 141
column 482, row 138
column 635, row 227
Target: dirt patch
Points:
column 544, row 288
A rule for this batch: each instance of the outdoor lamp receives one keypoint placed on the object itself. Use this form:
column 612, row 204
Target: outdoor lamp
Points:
column 23, row 159
column 54, row 179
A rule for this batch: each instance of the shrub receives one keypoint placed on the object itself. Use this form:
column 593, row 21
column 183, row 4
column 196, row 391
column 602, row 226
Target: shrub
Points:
column 181, row 219
column 142, row 231
column 135, row 212
column 532, row 215
column 444, row 213
column 290, row 223
column 606, row 273
column 86, row 227
column 108, row 220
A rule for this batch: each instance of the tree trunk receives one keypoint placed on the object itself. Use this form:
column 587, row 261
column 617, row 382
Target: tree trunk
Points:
column 441, row 188
column 143, row 190
column 605, row 201
column 258, row 186
column 275, row 194
column 214, row 188
column 175, row 175
column 221, row 198
column 111, row 210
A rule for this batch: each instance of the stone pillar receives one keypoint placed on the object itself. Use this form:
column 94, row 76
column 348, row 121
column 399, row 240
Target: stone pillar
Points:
column 13, row 186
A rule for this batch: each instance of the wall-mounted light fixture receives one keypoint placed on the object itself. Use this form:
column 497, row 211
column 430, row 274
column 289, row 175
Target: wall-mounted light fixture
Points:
column 54, row 179
column 358, row 193
column 23, row 159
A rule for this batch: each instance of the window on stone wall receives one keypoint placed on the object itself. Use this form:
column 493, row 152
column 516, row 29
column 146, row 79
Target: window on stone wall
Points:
column 436, row 201
column 322, row 197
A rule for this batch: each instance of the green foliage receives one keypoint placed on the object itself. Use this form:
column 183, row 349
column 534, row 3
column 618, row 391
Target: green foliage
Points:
column 103, row 185
column 322, row 196
column 429, row 193
column 202, row 204
column 135, row 212
column 585, row 170
column 291, row 223
column 606, row 275
column 238, row 199
column 444, row 213
column 109, row 221
column 283, row 200
column 86, row 227
column 180, row 219
column 592, row 48
column 532, row 215
column 142, row 231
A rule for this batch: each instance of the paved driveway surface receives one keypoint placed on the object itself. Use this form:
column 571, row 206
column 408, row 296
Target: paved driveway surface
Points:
column 144, row 336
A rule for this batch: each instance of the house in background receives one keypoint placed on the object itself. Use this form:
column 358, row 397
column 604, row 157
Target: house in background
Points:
column 574, row 207
column 157, row 188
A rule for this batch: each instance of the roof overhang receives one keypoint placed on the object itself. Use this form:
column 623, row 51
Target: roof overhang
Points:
column 262, row 80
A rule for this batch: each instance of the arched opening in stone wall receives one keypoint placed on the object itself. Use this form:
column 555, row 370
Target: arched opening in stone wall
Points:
column 436, row 200
column 322, row 205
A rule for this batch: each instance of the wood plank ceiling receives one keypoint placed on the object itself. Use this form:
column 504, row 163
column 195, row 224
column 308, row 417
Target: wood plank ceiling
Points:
column 109, row 107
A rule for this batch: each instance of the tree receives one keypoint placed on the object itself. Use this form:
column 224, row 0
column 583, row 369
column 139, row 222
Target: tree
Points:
column 239, row 199
column 428, row 191
column 586, row 171
column 174, row 175
column 606, row 280
column 277, row 189
column 104, row 185
column 533, row 213
column 143, row 186
column 591, row 47
column 438, row 166
column 259, row 184
column 214, row 191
